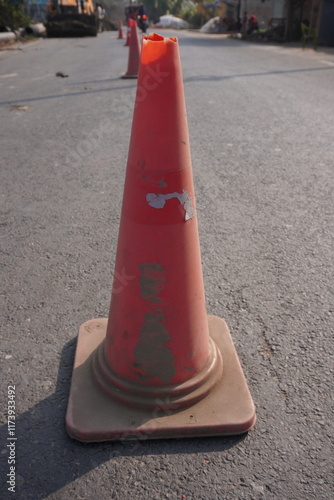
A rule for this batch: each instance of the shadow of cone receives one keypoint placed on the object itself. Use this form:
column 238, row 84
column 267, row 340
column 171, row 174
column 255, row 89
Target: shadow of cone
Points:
column 159, row 366
column 120, row 30
column 134, row 53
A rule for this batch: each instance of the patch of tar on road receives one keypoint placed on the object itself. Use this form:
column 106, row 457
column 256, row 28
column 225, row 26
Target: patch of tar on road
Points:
column 20, row 107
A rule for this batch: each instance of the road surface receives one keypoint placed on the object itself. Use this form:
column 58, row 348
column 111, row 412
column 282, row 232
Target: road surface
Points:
column 261, row 121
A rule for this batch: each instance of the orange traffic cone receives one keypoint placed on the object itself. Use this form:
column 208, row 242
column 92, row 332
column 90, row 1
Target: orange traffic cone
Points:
column 128, row 30
column 133, row 61
column 120, row 30
column 159, row 366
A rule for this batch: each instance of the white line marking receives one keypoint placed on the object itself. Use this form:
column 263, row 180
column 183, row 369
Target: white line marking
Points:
column 10, row 75
column 328, row 62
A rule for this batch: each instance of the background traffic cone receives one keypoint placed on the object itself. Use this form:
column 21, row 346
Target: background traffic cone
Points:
column 133, row 60
column 128, row 30
column 158, row 367
column 120, row 30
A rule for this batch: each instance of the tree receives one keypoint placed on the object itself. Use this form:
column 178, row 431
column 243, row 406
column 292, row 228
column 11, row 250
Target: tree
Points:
column 157, row 8
column 113, row 8
column 12, row 14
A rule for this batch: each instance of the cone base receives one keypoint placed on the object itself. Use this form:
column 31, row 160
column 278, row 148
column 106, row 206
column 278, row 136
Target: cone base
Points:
column 93, row 416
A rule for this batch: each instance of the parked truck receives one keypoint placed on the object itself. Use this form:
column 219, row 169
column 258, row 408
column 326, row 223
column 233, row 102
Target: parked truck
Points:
column 71, row 18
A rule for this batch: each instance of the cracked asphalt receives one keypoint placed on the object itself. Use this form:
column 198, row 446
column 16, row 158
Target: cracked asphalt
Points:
column 261, row 121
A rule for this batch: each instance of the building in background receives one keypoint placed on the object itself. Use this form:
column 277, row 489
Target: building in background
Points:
column 287, row 15
column 326, row 23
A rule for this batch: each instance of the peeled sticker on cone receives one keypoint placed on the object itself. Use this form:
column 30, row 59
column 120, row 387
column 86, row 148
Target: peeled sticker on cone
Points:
column 159, row 201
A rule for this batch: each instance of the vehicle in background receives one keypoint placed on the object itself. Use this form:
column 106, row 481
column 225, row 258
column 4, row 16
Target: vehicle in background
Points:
column 71, row 18
column 138, row 13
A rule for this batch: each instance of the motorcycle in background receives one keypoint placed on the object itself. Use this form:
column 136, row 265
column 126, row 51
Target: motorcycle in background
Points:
column 142, row 22
column 138, row 13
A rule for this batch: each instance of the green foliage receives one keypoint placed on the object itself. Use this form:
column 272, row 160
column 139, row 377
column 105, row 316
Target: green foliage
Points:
column 12, row 14
column 196, row 20
column 175, row 7
column 111, row 6
column 157, row 8
column 188, row 11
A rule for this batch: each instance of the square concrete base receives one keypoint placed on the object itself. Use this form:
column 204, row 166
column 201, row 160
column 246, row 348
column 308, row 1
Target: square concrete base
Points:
column 126, row 76
column 93, row 416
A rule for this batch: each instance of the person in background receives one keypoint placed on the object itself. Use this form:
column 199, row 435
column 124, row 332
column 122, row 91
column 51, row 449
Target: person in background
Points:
column 252, row 24
column 100, row 12
column 141, row 10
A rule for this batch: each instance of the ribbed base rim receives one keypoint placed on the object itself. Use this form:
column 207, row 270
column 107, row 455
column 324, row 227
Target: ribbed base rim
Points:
column 94, row 416
column 171, row 397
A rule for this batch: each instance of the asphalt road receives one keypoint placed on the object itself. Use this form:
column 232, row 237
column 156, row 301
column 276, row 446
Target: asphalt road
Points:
column 261, row 121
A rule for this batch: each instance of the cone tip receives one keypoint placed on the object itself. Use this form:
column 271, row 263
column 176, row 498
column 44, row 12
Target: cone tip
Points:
column 155, row 46
column 154, row 37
